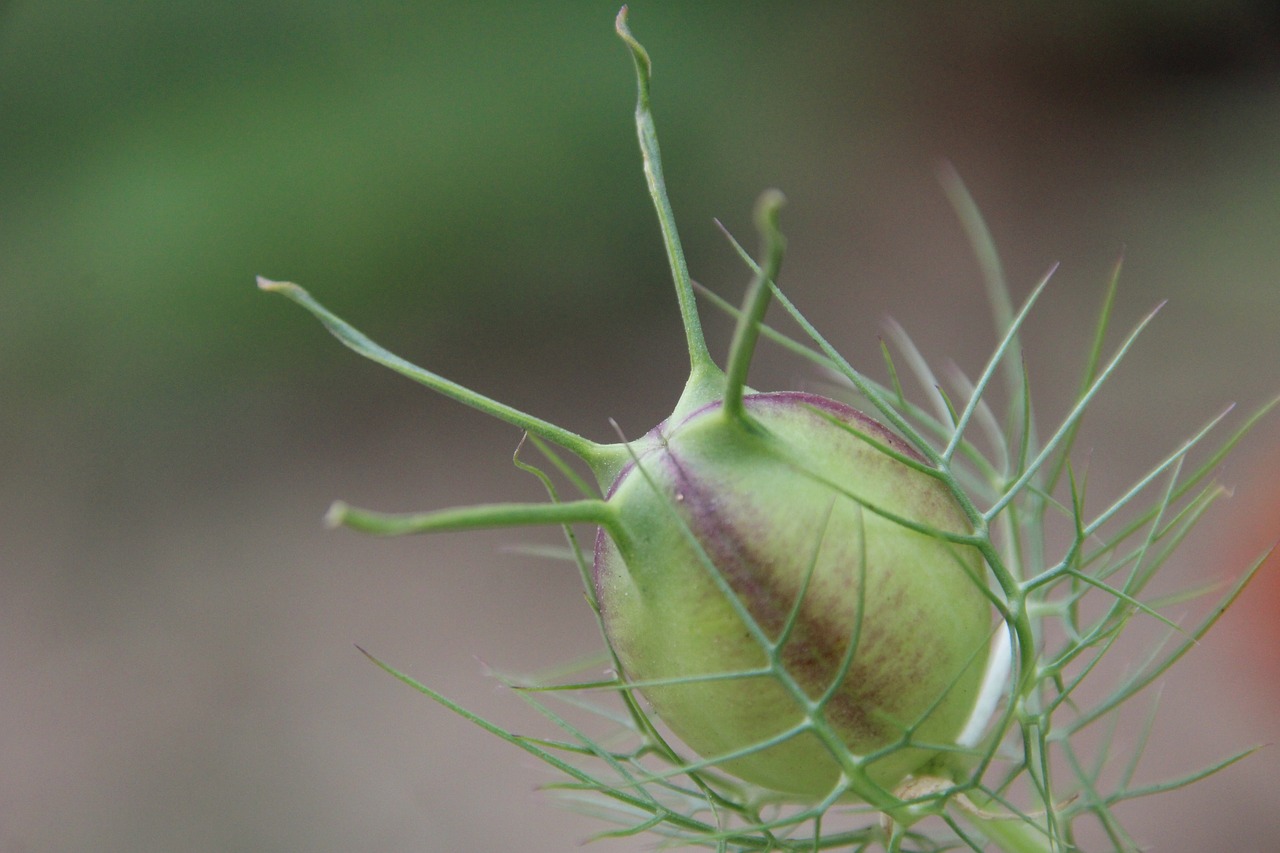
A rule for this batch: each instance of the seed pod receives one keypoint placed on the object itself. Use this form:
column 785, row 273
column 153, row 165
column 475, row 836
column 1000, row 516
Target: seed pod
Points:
column 801, row 517
column 780, row 575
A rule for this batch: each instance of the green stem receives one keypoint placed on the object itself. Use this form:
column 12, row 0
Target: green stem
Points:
column 747, row 332
column 605, row 460
column 700, row 361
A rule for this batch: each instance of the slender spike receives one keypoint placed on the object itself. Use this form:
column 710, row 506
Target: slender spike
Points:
column 1076, row 412
column 603, row 459
column 953, row 416
column 1183, row 781
column 756, row 303
column 894, row 382
column 1173, row 460
column 1091, row 366
column 985, row 418
column 1007, row 343
column 480, row 517
column 575, row 549
column 699, row 358
column 888, row 400
column 563, row 467
column 1144, row 737
column 984, row 247
column 1149, row 674
column 875, row 394
column 733, row 311
column 1025, row 420
column 923, row 372
column 1171, row 538
column 1123, row 598
column 1204, row 470
column 621, row 795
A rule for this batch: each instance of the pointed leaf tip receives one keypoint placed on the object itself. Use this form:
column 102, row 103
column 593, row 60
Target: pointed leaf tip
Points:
column 362, row 650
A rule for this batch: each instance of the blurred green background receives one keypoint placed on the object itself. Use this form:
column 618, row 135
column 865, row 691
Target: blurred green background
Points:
column 462, row 181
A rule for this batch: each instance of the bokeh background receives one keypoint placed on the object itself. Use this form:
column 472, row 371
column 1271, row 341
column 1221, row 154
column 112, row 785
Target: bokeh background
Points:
column 178, row 670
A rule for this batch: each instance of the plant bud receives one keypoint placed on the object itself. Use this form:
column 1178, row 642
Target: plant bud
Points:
column 803, row 521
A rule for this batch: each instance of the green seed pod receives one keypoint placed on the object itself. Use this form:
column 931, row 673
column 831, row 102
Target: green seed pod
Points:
column 780, row 575
column 797, row 514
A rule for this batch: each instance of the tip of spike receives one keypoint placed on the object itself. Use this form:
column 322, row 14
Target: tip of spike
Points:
column 336, row 516
column 270, row 286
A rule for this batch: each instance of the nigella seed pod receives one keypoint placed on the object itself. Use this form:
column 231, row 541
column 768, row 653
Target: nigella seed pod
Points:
column 800, row 516
column 783, row 578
